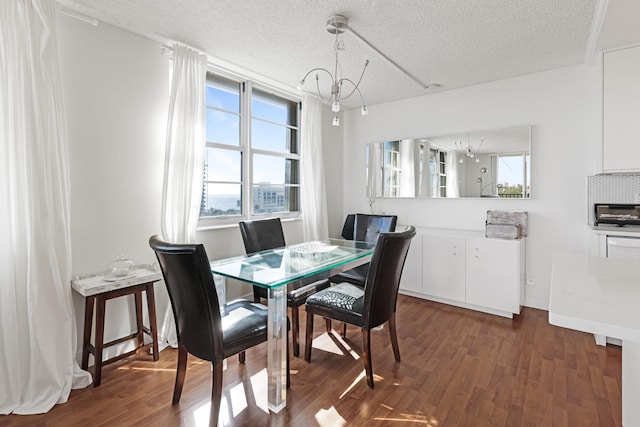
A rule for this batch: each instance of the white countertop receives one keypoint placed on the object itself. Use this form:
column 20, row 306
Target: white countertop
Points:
column 597, row 295
column 93, row 284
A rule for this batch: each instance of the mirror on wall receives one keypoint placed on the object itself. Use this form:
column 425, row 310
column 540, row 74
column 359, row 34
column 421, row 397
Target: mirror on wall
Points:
column 492, row 163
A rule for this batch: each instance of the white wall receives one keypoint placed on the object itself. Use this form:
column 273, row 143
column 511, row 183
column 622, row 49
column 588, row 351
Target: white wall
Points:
column 564, row 109
column 116, row 89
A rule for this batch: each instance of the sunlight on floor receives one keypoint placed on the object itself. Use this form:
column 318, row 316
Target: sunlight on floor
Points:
column 259, row 385
column 326, row 342
column 408, row 418
column 235, row 399
column 134, row 368
column 201, row 414
column 238, row 399
column 353, row 384
column 329, row 418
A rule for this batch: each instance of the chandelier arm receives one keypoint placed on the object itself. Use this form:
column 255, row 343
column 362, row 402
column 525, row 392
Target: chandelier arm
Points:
column 355, row 86
column 319, row 69
column 366, row 62
column 318, row 90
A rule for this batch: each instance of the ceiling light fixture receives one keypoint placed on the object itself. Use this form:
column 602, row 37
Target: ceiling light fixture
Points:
column 337, row 25
column 469, row 152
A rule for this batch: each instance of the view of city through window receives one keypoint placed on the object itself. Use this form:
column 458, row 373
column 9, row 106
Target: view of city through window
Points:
column 270, row 154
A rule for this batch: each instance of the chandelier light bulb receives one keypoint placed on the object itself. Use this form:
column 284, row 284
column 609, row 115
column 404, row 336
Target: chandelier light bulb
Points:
column 335, row 106
column 365, row 110
column 336, row 121
column 300, row 84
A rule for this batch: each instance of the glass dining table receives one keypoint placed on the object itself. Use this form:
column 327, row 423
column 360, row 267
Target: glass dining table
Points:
column 273, row 269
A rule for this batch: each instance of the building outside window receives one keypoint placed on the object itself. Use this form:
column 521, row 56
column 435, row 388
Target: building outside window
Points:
column 513, row 176
column 252, row 162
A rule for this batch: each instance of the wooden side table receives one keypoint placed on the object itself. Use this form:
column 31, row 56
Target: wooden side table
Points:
column 97, row 291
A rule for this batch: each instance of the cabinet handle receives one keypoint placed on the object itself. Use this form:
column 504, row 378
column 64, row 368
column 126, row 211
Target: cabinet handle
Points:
column 477, row 255
column 455, row 250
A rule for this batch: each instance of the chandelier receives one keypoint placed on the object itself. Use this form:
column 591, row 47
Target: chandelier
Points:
column 469, row 152
column 341, row 87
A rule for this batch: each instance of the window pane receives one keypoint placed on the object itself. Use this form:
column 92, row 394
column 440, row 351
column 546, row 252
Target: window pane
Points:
column 223, row 94
column 269, row 198
column 269, row 136
column 223, row 165
column 221, row 199
column 511, row 175
column 275, row 170
column 273, row 108
column 223, row 128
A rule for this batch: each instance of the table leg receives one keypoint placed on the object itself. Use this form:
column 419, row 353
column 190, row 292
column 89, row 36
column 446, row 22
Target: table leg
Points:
column 138, row 302
column 277, row 351
column 100, row 302
column 86, row 338
column 151, row 308
column 630, row 383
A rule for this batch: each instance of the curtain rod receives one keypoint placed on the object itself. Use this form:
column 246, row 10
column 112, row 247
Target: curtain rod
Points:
column 79, row 16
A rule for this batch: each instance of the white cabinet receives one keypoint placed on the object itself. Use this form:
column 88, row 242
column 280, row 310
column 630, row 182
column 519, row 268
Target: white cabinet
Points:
column 468, row 270
column 411, row 279
column 621, row 109
column 443, row 267
column 494, row 274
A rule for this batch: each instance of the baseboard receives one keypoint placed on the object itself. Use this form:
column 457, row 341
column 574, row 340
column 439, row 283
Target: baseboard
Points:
column 535, row 302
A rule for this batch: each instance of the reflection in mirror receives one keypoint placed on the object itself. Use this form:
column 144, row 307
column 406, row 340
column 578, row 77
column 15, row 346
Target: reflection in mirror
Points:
column 492, row 163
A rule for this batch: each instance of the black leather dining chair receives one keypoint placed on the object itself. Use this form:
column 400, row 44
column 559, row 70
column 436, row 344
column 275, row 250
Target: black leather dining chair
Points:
column 370, row 306
column 202, row 329
column 260, row 235
column 363, row 228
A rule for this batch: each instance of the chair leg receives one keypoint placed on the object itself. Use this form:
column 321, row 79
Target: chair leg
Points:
column 394, row 336
column 308, row 338
column 180, row 373
column 295, row 329
column 366, row 356
column 216, row 394
column 288, row 364
column 344, row 330
column 242, row 356
column 327, row 323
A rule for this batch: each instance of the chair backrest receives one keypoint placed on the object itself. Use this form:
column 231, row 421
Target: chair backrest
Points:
column 383, row 280
column 192, row 291
column 368, row 227
column 261, row 235
column 348, row 227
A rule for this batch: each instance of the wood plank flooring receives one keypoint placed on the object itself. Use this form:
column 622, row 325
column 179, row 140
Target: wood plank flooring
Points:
column 459, row 368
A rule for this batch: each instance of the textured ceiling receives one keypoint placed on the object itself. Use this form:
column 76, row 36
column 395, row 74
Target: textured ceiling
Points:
column 453, row 43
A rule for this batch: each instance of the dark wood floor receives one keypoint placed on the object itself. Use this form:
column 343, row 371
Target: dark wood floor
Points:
column 459, row 368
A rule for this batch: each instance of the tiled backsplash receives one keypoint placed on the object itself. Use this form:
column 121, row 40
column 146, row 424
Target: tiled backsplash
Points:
column 611, row 189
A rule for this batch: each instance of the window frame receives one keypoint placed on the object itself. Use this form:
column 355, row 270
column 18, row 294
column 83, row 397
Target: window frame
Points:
column 246, row 87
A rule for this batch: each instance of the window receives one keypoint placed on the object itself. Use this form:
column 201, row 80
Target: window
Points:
column 252, row 162
column 513, row 176
column 438, row 172
column 391, row 169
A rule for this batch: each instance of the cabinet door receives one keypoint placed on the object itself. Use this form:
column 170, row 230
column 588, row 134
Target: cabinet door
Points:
column 411, row 279
column 444, row 267
column 621, row 109
column 493, row 271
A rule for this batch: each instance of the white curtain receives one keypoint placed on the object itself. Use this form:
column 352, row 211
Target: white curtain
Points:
column 184, row 152
column 37, row 320
column 315, row 224
column 453, row 187
column 184, row 157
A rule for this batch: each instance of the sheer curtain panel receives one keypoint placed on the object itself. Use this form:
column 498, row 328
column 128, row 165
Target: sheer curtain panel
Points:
column 184, row 157
column 315, row 223
column 37, row 320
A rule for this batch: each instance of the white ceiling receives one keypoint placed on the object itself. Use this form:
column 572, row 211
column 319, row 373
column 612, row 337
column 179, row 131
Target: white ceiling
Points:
column 453, row 43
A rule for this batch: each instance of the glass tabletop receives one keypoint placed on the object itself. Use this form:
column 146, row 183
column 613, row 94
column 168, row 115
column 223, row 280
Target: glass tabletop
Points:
column 277, row 267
